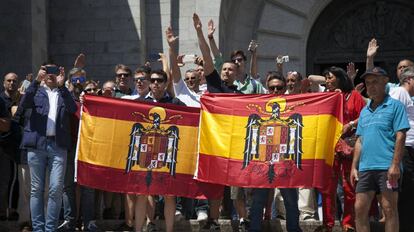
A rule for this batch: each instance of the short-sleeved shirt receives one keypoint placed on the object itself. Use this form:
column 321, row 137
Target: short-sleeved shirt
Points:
column 189, row 97
column 216, row 85
column 377, row 131
column 404, row 97
column 250, row 86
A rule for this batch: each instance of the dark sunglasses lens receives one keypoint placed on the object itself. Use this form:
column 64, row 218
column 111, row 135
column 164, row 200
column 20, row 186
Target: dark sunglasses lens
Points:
column 159, row 80
column 122, row 75
column 80, row 79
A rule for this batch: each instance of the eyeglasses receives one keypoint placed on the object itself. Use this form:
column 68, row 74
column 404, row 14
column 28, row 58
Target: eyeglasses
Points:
column 189, row 78
column 122, row 74
column 88, row 90
column 158, row 80
column 277, row 87
column 240, row 59
column 81, row 79
column 142, row 79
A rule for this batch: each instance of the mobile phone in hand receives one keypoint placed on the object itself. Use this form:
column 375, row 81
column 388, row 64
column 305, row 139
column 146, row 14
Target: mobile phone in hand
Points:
column 190, row 58
column 52, row 70
column 154, row 57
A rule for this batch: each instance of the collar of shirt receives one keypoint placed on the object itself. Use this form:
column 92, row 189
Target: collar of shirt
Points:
column 49, row 89
column 149, row 96
column 384, row 103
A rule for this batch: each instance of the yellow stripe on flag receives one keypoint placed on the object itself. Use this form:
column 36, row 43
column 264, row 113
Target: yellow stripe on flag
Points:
column 215, row 139
column 105, row 142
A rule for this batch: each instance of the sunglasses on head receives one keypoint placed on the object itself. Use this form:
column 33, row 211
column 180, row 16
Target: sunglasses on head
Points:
column 158, row 80
column 122, row 74
column 142, row 79
column 81, row 79
column 277, row 87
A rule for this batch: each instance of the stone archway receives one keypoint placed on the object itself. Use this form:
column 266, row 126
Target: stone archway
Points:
column 281, row 27
column 342, row 31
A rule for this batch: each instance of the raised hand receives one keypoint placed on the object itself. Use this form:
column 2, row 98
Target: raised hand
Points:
column 41, row 75
column 199, row 61
column 80, row 61
column 197, row 22
column 372, row 48
column 211, row 28
column 171, row 39
column 180, row 61
column 351, row 71
column 253, row 46
column 60, row 79
column 360, row 87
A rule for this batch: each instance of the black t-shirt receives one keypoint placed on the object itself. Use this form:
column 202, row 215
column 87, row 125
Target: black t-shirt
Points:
column 7, row 101
column 216, row 85
column 4, row 113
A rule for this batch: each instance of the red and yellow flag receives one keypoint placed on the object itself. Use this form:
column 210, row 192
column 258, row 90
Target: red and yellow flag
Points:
column 141, row 148
column 267, row 140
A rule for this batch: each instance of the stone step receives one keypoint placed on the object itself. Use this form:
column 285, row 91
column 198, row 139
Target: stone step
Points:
column 193, row 225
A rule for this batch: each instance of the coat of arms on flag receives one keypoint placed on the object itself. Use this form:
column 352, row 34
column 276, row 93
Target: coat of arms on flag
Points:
column 154, row 146
column 274, row 139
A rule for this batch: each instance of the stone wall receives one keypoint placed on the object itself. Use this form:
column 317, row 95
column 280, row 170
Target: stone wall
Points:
column 15, row 41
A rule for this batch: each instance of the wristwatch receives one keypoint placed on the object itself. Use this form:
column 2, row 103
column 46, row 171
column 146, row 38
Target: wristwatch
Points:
column 352, row 123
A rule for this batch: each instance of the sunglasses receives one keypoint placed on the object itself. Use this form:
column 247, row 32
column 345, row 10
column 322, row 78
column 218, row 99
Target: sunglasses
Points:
column 88, row 90
column 81, row 79
column 158, row 80
column 277, row 87
column 122, row 74
column 142, row 79
column 189, row 78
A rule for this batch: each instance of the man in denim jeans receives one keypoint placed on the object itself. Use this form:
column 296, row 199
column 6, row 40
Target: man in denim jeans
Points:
column 47, row 138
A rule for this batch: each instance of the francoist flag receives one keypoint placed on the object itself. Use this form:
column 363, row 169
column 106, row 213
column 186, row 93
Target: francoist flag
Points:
column 268, row 141
column 140, row 148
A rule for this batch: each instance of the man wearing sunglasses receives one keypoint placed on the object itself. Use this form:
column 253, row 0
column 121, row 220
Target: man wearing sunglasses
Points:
column 122, row 80
column 77, row 81
column 244, row 82
column 158, row 89
column 141, row 79
column 47, row 139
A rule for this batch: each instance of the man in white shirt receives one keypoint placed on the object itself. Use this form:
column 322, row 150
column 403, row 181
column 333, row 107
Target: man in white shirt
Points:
column 47, row 138
column 404, row 94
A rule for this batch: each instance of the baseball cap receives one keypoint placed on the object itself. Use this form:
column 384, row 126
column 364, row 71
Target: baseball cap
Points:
column 377, row 71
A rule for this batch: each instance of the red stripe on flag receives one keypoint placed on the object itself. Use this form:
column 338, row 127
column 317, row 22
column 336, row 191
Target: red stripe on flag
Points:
column 214, row 169
column 236, row 104
column 122, row 109
column 116, row 180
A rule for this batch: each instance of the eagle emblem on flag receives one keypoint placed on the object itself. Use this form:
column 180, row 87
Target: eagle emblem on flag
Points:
column 154, row 146
column 274, row 139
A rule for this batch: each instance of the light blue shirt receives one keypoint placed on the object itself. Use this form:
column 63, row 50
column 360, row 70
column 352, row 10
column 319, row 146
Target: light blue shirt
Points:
column 377, row 129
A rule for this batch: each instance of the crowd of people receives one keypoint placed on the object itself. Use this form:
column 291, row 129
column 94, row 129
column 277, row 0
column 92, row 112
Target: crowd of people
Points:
column 372, row 172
